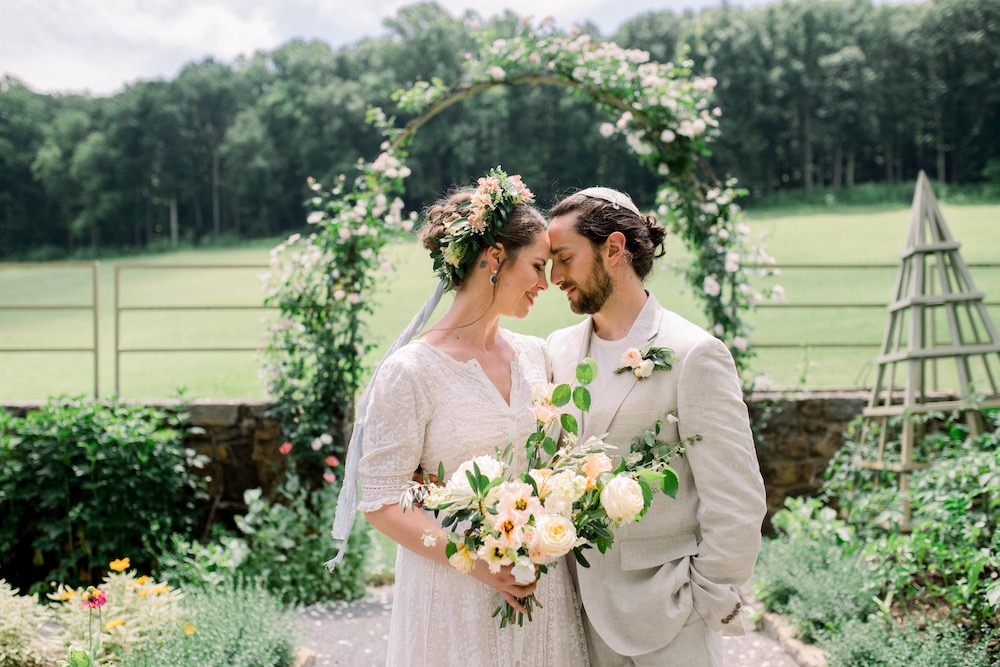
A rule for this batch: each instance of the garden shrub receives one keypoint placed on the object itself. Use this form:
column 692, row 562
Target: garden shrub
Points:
column 137, row 612
column 951, row 556
column 289, row 541
column 810, row 574
column 22, row 643
column 231, row 625
column 871, row 593
column 878, row 644
column 82, row 483
column 283, row 543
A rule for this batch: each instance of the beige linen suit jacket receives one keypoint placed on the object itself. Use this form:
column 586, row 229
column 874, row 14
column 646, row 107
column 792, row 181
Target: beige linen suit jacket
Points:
column 689, row 552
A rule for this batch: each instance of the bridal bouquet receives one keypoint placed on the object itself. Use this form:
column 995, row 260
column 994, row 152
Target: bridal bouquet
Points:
column 570, row 498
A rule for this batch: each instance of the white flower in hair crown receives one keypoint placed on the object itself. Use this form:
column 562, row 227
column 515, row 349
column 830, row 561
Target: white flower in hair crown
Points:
column 486, row 213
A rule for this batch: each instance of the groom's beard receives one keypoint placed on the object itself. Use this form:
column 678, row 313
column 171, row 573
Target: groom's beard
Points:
column 591, row 297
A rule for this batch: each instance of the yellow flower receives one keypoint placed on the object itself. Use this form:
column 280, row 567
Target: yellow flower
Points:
column 160, row 590
column 143, row 592
column 67, row 594
column 139, row 581
column 114, row 623
column 189, row 629
column 120, row 565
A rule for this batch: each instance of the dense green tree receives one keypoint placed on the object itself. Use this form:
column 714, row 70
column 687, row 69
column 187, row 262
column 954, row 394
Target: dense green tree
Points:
column 814, row 93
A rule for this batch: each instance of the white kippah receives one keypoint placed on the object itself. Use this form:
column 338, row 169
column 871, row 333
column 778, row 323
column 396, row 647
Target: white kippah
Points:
column 616, row 198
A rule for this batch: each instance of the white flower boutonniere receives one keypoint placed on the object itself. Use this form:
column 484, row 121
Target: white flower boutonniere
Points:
column 642, row 363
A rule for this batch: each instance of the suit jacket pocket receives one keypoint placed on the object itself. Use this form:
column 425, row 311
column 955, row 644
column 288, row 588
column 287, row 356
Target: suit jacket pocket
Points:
column 642, row 553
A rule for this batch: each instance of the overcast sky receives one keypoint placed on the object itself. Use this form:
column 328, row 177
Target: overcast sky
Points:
column 98, row 46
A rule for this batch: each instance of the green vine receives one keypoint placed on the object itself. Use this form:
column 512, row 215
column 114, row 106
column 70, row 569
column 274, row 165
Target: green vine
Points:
column 323, row 282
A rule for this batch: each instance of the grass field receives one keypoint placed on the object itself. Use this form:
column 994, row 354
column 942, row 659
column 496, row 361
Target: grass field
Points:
column 851, row 235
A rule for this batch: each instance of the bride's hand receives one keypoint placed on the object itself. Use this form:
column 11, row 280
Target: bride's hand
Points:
column 504, row 582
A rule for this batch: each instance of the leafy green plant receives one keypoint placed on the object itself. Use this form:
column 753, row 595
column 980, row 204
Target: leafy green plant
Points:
column 289, row 542
column 82, row 483
column 21, row 621
column 811, row 574
column 231, row 625
column 884, row 645
column 131, row 611
column 282, row 543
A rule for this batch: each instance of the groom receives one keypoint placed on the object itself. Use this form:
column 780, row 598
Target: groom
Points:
column 667, row 590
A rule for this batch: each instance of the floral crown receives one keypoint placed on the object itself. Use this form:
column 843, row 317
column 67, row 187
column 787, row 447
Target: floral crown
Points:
column 484, row 215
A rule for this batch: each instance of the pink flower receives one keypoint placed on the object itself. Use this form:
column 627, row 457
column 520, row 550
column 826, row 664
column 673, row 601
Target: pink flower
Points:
column 595, row 464
column 329, row 477
column 93, row 598
column 332, row 461
column 285, row 448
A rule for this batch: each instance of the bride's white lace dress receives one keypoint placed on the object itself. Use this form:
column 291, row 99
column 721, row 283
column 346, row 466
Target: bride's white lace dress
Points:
column 427, row 407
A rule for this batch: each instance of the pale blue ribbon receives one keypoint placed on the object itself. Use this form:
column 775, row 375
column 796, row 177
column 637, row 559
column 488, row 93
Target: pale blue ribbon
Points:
column 347, row 502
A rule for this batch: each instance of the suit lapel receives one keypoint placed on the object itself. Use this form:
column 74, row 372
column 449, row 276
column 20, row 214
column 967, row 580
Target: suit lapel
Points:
column 617, row 388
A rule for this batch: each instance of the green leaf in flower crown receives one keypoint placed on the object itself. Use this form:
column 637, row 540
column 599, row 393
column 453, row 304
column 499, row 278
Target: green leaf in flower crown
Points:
column 561, row 395
column 569, row 424
column 669, row 484
column 581, row 398
column 586, row 371
column 550, row 446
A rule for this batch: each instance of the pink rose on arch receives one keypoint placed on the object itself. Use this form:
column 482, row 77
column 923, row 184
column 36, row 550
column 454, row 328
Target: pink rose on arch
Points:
column 285, row 448
column 332, row 461
column 329, row 477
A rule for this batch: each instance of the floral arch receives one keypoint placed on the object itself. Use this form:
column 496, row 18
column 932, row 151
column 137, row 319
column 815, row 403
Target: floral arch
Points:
column 322, row 282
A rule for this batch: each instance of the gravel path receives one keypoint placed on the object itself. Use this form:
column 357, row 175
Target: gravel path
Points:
column 355, row 635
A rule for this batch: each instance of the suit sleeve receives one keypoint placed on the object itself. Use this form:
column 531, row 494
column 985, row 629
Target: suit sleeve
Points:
column 727, row 479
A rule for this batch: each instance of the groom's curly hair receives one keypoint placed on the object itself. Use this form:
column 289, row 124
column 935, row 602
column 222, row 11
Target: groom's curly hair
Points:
column 597, row 219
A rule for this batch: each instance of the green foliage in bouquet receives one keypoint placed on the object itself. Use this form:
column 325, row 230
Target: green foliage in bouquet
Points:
column 570, row 498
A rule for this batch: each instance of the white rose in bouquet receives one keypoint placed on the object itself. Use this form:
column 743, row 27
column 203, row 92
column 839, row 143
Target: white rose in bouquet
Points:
column 556, row 535
column 458, row 483
column 622, row 499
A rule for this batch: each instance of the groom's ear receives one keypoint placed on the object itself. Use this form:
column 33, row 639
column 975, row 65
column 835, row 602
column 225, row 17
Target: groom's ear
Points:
column 614, row 248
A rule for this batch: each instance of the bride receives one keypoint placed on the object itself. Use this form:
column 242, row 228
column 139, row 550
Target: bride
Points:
column 459, row 391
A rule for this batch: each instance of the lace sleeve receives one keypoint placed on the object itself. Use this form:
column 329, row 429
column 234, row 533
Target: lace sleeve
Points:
column 394, row 433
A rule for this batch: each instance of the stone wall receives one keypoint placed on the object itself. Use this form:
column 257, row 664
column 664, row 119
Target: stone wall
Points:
column 796, row 436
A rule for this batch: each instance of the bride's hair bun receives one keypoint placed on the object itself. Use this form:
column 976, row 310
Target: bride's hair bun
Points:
column 439, row 215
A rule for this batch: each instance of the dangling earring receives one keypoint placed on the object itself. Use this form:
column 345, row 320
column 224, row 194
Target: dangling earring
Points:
column 493, row 276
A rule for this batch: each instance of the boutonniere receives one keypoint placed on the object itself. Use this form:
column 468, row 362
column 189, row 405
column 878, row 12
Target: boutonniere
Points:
column 642, row 362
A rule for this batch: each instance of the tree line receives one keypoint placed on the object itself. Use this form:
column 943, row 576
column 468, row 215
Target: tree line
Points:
column 814, row 93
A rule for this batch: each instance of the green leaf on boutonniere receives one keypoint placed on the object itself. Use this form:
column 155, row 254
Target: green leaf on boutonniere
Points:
column 581, row 398
column 569, row 424
column 586, row 371
column 561, row 395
